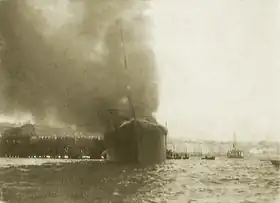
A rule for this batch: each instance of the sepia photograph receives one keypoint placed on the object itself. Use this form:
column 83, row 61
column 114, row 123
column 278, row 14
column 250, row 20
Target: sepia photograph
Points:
column 139, row 101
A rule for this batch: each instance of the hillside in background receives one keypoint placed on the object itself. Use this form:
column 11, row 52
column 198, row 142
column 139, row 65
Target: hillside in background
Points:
column 261, row 148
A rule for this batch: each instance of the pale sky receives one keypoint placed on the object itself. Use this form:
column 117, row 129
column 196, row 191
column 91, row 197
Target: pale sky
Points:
column 219, row 66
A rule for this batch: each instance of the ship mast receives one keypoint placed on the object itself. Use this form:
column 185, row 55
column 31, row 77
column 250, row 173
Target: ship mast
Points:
column 125, row 66
column 234, row 141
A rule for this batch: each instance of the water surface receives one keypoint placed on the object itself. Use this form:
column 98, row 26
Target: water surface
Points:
column 194, row 181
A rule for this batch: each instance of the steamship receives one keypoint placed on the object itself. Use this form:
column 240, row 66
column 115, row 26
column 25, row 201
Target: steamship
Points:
column 135, row 140
column 234, row 152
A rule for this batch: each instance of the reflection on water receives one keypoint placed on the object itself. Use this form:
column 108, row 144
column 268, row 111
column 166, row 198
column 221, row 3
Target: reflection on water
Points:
column 193, row 181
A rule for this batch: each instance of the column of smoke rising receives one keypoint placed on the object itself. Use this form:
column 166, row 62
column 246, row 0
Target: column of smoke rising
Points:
column 78, row 70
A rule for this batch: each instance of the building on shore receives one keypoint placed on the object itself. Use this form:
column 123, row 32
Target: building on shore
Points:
column 33, row 141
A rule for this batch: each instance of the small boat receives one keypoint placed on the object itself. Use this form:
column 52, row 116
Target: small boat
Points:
column 208, row 157
column 234, row 152
column 170, row 154
column 275, row 163
column 185, row 156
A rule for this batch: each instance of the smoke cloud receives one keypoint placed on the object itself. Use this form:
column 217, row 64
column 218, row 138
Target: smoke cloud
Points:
column 65, row 58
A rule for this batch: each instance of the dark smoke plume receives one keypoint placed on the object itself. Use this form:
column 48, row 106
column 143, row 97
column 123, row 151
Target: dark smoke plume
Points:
column 77, row 72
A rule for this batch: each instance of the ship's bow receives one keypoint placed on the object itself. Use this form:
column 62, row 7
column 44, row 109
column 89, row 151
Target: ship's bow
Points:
column 137, row 141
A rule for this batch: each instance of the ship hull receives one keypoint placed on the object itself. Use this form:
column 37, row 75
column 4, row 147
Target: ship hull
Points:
column 137, row 142
column 235, row 154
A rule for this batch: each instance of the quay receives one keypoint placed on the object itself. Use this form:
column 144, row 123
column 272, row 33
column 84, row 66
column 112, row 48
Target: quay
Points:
column 25, row 142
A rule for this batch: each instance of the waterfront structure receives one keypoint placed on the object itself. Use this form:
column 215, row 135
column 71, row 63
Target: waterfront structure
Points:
column 24, row 141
